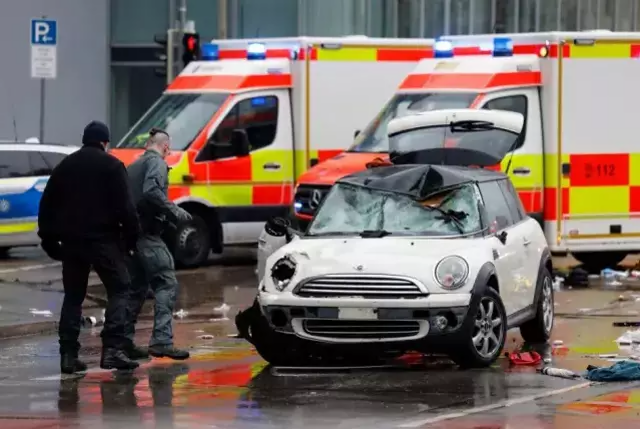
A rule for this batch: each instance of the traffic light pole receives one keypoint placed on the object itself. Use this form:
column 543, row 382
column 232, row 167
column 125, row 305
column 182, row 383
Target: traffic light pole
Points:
column 171, row 66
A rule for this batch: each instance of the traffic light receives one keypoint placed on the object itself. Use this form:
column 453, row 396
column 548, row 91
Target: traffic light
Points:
column 190, row 48
column 162, row 41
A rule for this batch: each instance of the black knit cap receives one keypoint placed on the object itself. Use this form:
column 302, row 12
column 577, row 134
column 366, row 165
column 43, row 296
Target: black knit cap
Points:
column 96, row 132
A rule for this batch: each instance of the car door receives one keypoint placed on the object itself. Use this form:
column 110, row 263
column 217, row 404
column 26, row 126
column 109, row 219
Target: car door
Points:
column 507, row 257
column 250, row 189
column 524, row 237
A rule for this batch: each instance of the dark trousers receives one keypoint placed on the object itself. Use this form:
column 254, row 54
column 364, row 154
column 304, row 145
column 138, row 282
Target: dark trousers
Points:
column 152, row 267
column 108, row 260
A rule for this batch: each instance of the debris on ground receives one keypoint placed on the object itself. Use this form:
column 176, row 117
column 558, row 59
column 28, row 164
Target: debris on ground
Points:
column 222, row 311
column 205, row 337
column 625, row 370
column 558, row 372
column 524, row 358
column 578, row 277
column 36, row 312
column 626, row 324
column 181, row 314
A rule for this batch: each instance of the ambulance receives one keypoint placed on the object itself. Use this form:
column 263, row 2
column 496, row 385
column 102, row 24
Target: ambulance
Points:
column 250, row 117
column 577, row 169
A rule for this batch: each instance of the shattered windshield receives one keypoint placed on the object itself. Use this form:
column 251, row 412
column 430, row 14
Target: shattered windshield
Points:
column 374, row 137
column 495, row 142
column 183, row 116
column 353, row 210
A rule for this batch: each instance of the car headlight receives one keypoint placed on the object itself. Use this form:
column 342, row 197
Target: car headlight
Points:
column 283, row 271
column 452, row 272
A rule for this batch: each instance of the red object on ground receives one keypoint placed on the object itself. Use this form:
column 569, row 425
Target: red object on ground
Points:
column 524, row 358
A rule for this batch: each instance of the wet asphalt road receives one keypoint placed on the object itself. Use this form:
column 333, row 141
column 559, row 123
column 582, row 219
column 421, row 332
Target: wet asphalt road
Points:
column 226, row 385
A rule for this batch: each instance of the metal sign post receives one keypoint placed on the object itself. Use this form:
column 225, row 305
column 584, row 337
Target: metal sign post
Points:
column 44, row 42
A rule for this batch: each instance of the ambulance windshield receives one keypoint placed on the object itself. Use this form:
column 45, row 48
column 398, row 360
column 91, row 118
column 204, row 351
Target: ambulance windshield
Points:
column 183, row 116
column 374, row 137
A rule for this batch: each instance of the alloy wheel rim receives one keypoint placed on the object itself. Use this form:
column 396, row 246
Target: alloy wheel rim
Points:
column 488, row 329
column 547, row 304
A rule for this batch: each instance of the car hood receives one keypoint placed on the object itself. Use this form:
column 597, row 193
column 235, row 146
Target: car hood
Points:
column 403, row 256
column 334, row 169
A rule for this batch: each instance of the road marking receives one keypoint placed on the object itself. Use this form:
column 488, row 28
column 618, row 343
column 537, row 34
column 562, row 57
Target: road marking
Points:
column 29, row 268
column 502, row 404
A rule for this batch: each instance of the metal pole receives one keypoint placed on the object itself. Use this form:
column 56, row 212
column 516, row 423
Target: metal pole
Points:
column 170, row 54
column 222, row 18
column 447, row 17
column 42, row 100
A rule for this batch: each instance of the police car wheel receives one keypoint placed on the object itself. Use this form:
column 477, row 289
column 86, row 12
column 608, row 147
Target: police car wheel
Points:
column 4, row 252
column 193, row 243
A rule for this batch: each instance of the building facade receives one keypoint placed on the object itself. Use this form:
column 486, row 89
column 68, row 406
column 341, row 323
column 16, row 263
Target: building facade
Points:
column 107, row 55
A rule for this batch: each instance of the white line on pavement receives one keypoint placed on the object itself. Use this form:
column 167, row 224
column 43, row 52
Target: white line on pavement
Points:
column 29, row 268
column 502, row 404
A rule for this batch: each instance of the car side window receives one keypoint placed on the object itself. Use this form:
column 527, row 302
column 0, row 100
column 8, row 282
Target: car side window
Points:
column 14, row 163
column 511, row 103
column 257, row 117
column 499, row 215
column 39, row 166
column 53, row 158
column 512, row 199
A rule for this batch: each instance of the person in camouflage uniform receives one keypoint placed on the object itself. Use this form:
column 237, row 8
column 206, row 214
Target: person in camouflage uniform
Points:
column 152, row 264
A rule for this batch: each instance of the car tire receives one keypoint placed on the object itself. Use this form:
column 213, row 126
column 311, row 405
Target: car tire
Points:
column 538, row 329
column 192, row 243
column 4, row 252
column 488, row 326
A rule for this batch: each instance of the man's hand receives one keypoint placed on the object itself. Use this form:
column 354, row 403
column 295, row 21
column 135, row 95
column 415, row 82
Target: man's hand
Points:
column 52, row 248
column 183, row 215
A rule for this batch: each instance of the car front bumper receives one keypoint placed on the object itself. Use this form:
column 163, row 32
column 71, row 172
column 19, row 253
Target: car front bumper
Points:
column 357, row 320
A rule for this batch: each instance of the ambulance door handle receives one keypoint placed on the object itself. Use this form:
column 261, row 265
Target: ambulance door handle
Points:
column 271, row 166
column 521, row 171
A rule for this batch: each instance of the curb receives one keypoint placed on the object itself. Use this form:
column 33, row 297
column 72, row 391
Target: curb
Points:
column 28, row 329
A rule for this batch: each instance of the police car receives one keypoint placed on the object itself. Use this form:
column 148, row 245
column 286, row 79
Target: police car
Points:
column 24, row 171
column 422, row 253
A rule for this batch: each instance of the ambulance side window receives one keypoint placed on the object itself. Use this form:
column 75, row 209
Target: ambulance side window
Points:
column 257, row 117
column 511, row 103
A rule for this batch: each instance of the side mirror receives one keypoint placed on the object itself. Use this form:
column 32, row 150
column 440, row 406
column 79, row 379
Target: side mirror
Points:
column 277, row 226
column 356, row 134
column 313, row 162
column 502, row 236
column 240, row 143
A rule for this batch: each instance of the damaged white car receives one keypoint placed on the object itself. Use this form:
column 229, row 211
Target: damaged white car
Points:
column 414, row 256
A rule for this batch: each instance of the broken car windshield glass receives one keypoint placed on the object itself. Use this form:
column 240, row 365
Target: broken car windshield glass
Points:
column 353, row 210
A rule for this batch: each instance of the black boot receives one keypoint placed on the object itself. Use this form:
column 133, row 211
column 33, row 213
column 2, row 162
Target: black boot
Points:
column 134, row 352
column 168, row 351
column 69, row 364
column 116, row 359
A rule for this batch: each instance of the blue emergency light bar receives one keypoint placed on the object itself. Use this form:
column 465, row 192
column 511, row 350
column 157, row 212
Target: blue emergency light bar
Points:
column 210, row 52
column 502, row 47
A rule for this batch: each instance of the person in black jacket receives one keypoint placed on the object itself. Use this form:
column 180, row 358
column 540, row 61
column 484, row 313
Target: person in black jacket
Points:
column 87, row 219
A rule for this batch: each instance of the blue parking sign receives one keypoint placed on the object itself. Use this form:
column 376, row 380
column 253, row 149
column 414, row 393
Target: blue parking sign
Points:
column 44, row 32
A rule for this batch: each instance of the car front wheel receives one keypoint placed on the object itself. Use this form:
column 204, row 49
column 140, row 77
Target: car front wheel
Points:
column 483, row 338
column 538, row 330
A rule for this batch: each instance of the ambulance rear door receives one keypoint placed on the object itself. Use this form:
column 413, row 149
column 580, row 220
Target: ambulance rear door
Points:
column 599, row 166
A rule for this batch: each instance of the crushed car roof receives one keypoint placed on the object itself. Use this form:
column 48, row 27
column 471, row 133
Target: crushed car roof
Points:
column 419, row 181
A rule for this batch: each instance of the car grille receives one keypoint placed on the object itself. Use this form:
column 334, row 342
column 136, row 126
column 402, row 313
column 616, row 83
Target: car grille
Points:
column 361, row 329
column 374, row 287
column 308, row 198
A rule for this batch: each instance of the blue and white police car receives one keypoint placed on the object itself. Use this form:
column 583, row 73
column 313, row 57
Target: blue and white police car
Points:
column 24, row 171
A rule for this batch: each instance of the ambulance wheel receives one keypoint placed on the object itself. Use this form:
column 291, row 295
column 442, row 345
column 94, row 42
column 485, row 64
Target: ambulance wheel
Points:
column 594, row 262
column 4, row 252
column 193, row 243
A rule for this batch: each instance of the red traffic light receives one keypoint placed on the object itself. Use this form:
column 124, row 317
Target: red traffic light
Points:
column 192, row 43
